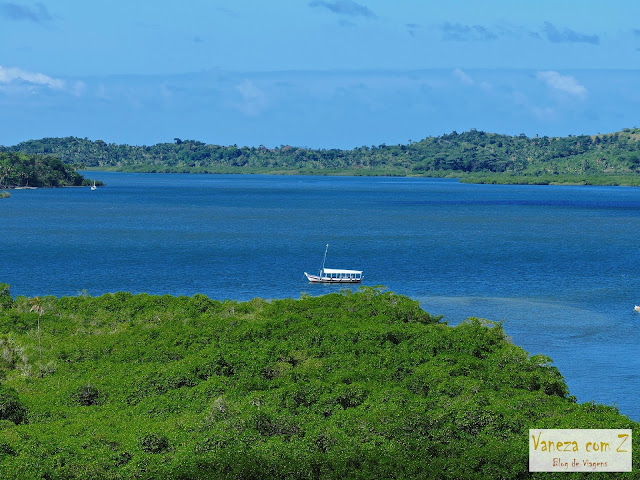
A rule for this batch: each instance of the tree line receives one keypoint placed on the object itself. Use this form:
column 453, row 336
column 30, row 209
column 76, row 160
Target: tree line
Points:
column 19, row 169
column 469, row 154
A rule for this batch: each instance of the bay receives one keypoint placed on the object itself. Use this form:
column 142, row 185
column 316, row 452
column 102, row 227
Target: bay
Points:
column 557, row 265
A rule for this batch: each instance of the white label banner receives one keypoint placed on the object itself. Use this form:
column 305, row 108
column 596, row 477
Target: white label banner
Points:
column 579, row 450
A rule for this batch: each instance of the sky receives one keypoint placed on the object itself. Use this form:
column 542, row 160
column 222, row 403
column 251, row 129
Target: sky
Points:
column 315, row 73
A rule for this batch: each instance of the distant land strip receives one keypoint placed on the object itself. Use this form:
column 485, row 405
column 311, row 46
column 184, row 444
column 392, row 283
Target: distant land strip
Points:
column 473, row 157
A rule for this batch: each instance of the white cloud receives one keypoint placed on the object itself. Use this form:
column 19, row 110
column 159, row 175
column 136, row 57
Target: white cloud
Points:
column 463, row 77
column 541, row 113
column 562, row 83
column 253, row 99
column 79, row 88
column 12, row 74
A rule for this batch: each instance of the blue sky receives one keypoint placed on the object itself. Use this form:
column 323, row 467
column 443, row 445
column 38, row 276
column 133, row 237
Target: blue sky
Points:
column 315, row 73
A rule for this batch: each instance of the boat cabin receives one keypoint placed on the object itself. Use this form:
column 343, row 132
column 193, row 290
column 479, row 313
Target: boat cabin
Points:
column 334, row 275
column 338, row 274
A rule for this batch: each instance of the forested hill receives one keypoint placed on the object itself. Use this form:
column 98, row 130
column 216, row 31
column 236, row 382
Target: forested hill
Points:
column 26, row 170
column 473, row 153
column 351, row 385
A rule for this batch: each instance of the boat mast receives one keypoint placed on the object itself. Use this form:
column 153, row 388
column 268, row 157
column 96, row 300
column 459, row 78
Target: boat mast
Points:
column 324, row 259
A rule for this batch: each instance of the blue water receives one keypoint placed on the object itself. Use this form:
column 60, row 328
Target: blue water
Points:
column 559, row 265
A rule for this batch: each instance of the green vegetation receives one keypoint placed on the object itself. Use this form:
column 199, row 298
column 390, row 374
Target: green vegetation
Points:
column 474, row 156
column 551, row 179
column 5, row 194
column 348, row 385
column 30, row 170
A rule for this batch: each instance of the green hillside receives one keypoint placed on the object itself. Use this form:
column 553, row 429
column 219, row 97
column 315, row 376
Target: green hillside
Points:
column 31, row 170
column 349, row 385
column 474, row 156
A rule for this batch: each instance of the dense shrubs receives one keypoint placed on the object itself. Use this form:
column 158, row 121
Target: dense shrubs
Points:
column 348, row 385
column 11, row 407
column 87, row 395
column 5, row 296
column 153, row 443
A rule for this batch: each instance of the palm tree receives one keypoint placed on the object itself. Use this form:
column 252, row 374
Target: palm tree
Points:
column 5, row 174
column 39, row 310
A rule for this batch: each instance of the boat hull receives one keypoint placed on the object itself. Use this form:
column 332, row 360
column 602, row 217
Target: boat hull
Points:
column 318, row 279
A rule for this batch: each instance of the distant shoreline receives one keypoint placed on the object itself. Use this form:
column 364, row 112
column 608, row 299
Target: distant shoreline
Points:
column 609, row 159
column 471, row 178
column 36, row 188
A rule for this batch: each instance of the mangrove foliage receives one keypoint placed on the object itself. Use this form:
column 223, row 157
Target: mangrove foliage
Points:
column 352, row 385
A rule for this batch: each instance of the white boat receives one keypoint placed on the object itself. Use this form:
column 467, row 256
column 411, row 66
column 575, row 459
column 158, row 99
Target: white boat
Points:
column 637, row 308
column 334, row 275
column 93, row 187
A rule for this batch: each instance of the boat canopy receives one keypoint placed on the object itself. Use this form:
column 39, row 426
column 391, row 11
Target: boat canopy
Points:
column 330, row 271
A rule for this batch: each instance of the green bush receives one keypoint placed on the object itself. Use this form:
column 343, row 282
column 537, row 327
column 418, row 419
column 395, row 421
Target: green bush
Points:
column 153, row 443
column 11, row 408
column 87, row 395
column 5, row 296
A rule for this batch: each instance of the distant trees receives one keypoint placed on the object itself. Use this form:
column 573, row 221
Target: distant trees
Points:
column 30, row 170
column 450, row 154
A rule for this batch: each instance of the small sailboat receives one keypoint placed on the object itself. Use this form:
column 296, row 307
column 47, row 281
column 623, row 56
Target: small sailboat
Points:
column 93, row 187
column 334, row 275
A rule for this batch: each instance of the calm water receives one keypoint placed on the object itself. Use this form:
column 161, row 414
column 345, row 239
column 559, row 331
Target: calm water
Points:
column 559, row 265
